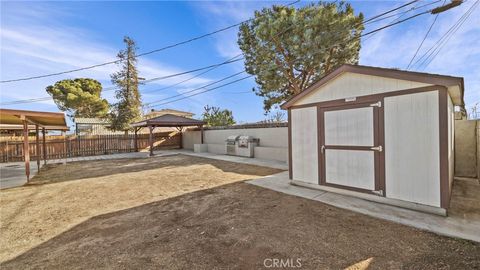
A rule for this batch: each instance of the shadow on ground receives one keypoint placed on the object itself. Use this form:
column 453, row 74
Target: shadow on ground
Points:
column 240, row 226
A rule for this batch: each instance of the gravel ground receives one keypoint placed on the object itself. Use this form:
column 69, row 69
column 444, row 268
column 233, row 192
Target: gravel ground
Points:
column 232, row 226
column 61, row 197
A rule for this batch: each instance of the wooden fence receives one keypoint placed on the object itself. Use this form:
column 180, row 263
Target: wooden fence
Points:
column 74, row 146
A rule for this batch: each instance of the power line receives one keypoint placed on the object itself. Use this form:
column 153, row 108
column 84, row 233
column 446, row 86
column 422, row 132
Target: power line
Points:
column 191, row 78
column 445, row 37
column 138, row 55
column 401, row 15
column 403, row 12
column 210, row 67
column 390, row 11
column 235, row 60
column 207, row 90
column 440, row 47
column 368, row 33
column 423, row 40
column 436, row 43
column 196, row 89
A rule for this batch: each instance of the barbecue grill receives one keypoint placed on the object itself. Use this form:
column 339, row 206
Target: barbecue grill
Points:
column 241, row 145
column 230, row 144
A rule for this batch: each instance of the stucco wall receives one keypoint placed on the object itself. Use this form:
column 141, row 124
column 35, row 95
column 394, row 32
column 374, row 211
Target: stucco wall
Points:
column 466, row 148
column 273, row 141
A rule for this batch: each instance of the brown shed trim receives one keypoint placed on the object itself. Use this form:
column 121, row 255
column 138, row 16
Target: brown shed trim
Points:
column 442, row 128
column 443, row 147
column 381, row 72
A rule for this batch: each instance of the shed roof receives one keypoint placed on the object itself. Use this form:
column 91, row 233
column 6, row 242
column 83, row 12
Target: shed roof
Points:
column 12, row 119
column 455, row 84
column 169, row 120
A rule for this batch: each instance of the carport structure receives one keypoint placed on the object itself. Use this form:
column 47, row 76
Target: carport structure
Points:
column 166, row 120
column 32, row 120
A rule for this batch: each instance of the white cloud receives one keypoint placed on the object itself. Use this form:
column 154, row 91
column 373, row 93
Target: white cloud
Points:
column 38, row 45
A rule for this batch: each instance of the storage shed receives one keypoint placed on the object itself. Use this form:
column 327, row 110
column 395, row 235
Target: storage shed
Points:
column 381, row 134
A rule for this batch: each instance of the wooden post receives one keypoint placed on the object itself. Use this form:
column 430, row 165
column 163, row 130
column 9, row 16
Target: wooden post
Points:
column 26, row 150
column 135, row 140
column 6, row 150
column 37, row 146
column 201, row 134
column 64, row 147
column 180, row 143
column 44, row 146
column 151, row 140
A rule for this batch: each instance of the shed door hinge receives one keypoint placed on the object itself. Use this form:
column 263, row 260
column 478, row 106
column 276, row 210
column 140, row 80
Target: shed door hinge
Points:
column 376, row 104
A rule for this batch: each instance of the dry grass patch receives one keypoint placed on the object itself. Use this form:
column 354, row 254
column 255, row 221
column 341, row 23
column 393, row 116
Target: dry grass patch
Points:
column 61, row 197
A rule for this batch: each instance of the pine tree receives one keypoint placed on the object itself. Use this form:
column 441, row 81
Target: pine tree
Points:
column 287, row 49
column 79, row 97
column 128, row 107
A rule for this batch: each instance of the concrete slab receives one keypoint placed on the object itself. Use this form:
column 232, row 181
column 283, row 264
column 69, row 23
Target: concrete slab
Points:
column 12, row 174
column 455, row 225
column 245, row 160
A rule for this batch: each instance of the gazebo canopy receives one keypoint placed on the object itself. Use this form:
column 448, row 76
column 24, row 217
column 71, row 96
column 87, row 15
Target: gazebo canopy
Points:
column 26, row 120
column 168, row 120
column 14, row 119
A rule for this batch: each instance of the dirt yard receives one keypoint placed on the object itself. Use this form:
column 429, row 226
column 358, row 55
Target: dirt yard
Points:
column 233, row 226
column 61, row 197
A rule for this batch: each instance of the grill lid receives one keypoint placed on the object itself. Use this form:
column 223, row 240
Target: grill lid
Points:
column 243, row 140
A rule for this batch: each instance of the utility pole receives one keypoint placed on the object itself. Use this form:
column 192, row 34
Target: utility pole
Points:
column 454, row 3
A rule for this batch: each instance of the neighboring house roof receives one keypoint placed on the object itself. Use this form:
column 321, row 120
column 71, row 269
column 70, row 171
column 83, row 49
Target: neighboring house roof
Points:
column 12, row 119
column 98, row 121
column 455, row 84
column 168, row 120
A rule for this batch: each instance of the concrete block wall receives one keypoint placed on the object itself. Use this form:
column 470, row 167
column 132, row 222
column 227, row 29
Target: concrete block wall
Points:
column 467, row 148
column 273, row 140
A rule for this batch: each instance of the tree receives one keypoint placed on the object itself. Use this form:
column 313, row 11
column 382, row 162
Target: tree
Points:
column 79, row 97
column 287, row 49
column 128, row 107
column 214, row 116
column 276, row 117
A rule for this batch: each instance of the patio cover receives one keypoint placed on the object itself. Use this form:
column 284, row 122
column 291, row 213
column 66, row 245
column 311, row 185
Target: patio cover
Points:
column 26, row 120
column 166, row 120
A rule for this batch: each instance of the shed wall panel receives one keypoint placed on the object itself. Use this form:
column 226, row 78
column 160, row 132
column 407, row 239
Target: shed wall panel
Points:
column 451, row 144
column 304, row 145
column 349, row 85
column 412, row 148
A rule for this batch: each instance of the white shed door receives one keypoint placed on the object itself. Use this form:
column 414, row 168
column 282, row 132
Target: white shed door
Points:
column 348, row 146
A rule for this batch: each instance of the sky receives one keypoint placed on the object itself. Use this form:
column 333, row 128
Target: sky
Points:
column 47, row 37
